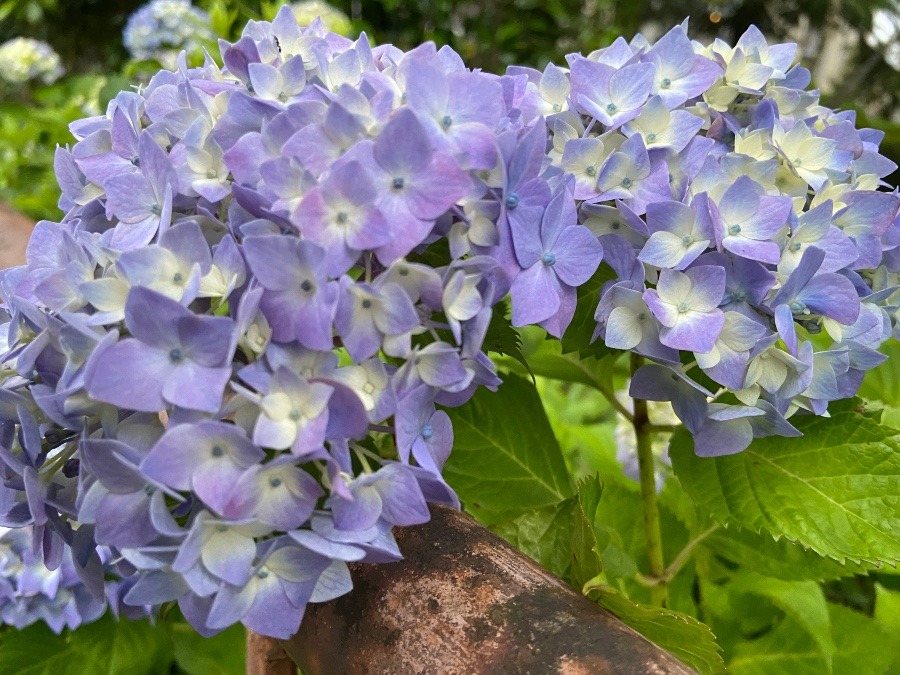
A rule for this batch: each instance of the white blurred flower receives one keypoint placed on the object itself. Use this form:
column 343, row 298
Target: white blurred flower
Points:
column 24, row 59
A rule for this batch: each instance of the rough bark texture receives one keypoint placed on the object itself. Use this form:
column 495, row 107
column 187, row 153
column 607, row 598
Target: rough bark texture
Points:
column 465, row 602
column 14, row 232
column 265, row 656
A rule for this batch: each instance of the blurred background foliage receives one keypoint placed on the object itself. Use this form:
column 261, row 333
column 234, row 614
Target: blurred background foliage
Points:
column 851, row 46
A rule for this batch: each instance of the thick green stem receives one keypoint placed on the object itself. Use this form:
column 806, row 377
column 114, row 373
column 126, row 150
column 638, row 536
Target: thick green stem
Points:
column 643, row 431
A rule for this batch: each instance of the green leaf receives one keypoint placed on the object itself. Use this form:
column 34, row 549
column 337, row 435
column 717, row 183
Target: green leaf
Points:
column 781, row 559
column 861, row 648
column 105, row 647
column 502, row 338
column 544, row 535
column 505, row 458
column 803, row 601
column 577, row 337
column 586, row 548
column 836, row 490
column 568, row 538
column 222, row 654
column 682, row 636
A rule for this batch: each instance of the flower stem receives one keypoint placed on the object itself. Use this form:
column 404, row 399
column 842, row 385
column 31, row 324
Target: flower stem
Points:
column 643, row 432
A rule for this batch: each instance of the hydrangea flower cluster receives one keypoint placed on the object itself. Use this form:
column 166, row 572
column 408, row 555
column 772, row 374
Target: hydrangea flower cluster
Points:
column 30, row 592
column 755, row 257
column 25, row 59
column 224, row 365
column 162, row 28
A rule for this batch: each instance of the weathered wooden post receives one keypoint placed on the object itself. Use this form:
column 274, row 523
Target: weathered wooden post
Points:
column 465, row 602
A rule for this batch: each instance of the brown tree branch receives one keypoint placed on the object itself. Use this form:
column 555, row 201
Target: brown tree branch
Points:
column 464, row 601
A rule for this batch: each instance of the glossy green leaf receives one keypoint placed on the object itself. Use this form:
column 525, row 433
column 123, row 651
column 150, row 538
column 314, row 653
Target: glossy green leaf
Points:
column 505, row 459
column 683, row 636
column 105, row 647
column 836, row 490
column 780, row 558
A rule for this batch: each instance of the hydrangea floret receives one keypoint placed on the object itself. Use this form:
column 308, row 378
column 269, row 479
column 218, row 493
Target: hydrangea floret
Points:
column 228, row 364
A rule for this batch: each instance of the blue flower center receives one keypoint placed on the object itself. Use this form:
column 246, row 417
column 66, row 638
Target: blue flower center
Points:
column 341, row 217
column 211, row 173
column 687, row 240
column 306, row 286
column 427, row 431
column 446, row 122
column 156, row 209
column 149, row 490
column 178, row 279
column 666, row 83
column 217, row 451
column 591, row 170
column 798, row 306
column 549, row 259
column 627, row 182
column 734, row 229
column 398, row 183
column 512, row 200
column 275, row 482
column 641, row 316
column 738, row 295
column 798, row 162
column 615, row 225
column 611, row 108
column 683, row 307
column 262, row 574
column 366, row 304
column 651, row 138
column 557, row 107
column 136, row 161
column 176, row 356
column 295, row 415
column 795, row 246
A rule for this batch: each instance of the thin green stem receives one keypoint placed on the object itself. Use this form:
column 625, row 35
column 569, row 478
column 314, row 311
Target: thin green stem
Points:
column 614, row 402
column 679, row 561
column 643, row 432
column 55, row 464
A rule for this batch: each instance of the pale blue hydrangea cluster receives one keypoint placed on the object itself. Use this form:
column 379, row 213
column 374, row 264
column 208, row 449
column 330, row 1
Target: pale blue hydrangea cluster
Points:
column 26, row 59
column 754, row 246
column 227, row 364
column 162, row 28
column 31, row 592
